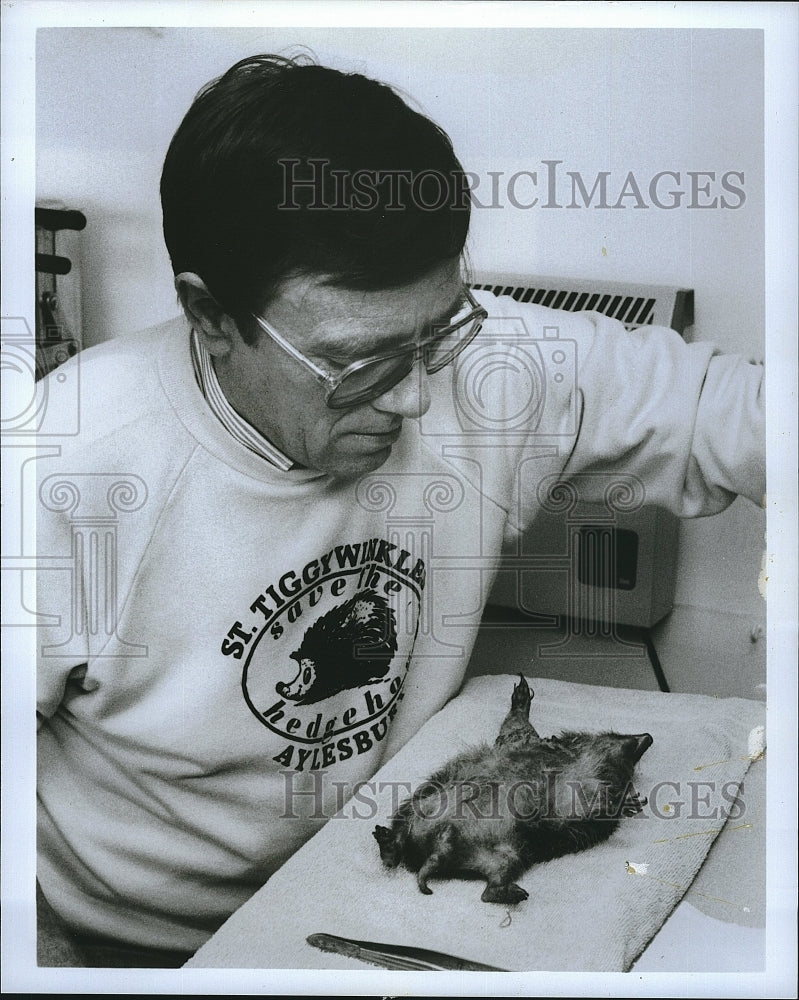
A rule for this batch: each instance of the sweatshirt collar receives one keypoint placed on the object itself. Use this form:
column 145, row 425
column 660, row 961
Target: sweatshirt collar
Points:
column 232, row 421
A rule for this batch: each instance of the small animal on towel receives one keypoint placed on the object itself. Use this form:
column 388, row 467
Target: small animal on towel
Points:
column 494, row 811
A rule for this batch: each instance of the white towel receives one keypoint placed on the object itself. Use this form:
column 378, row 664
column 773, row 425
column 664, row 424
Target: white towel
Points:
column 593, row 911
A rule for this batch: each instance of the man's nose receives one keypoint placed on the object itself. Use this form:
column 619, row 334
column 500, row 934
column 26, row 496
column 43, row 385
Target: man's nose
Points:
column 408, row 398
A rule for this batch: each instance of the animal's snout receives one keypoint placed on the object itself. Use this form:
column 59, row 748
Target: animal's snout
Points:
column 633, row 748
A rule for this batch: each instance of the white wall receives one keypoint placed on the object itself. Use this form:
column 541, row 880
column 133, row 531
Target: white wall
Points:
column 108, row 101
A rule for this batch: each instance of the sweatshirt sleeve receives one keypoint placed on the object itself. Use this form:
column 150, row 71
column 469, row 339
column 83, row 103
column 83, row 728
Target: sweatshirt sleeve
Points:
column 688, row 422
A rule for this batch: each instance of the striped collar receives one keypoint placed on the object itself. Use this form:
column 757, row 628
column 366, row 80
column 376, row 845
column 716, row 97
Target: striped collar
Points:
column 235, row 424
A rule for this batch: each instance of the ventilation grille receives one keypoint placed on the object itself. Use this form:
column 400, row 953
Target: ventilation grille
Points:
column 633, row 305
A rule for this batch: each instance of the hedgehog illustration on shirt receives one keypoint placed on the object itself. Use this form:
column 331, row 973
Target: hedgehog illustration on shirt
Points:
column 351, row 645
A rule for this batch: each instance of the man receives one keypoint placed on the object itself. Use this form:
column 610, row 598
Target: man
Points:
column 284, row 513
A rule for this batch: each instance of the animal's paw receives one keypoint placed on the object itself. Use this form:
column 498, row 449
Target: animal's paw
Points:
column 633, row 804
column 510, row 893
column 424, row 888
column 522, row 696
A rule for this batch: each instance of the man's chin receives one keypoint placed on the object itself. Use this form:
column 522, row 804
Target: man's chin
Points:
column 357, row 465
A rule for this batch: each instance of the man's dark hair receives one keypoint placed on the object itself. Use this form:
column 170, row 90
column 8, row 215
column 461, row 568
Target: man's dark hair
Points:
column 282, row 167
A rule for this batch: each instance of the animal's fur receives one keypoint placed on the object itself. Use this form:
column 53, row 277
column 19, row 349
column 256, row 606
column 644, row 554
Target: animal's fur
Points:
column 494, row 811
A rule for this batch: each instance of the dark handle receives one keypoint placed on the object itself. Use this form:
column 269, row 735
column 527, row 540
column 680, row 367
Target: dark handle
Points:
column 50, row 263
column 59, row 218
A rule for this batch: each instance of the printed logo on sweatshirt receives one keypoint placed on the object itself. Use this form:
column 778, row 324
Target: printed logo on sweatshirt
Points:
column 326, row 651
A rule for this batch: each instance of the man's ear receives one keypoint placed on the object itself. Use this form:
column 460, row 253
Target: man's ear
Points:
column 216, row 329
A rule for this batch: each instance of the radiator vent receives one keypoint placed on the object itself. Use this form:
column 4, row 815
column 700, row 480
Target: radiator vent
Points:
column 633, row 305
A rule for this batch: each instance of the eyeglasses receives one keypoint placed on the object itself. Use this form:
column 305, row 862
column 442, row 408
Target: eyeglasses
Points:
column 369, row 378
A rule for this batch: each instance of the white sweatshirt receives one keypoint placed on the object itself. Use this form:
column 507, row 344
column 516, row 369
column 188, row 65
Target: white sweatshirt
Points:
column 229, row 636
